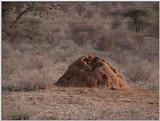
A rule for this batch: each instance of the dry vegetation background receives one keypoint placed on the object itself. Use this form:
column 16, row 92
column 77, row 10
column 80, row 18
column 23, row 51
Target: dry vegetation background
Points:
column 40, row 40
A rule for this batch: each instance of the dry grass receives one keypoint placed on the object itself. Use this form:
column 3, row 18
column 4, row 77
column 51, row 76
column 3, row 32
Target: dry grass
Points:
column 16, row 112
column 87, row 30
column 40, row 47
column 82, row 103
column 37, row 50
column 24, row 85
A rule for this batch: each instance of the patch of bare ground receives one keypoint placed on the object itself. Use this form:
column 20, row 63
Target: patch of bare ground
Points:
column 81, row 103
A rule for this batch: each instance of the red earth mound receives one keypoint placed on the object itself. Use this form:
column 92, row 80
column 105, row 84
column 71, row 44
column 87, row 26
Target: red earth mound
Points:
column 90, row 71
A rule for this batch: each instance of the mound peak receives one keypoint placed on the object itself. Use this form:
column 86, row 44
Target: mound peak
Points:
column 92, row 71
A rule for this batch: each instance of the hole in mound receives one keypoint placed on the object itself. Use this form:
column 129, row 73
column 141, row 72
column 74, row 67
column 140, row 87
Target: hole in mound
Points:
column 86, row 59
column 104, row 69
column 104, row 76
column 95, row 59
column 76, row 74
column 72, row 74
column 83, row 79
column 68, row 78
column 88, row 62
column 103, row 60
column 77, row 65
column 98, row 83
column 119, row 75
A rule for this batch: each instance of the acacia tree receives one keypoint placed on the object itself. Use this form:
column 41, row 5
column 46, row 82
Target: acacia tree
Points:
column 134, row 15
column 15, row 7
column 20, row 9
column 13, row 12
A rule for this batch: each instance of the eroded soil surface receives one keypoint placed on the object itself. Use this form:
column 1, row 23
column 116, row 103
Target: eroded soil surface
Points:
column 82, row 103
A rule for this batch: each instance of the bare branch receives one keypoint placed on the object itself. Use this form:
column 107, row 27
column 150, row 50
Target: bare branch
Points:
column 27, row 9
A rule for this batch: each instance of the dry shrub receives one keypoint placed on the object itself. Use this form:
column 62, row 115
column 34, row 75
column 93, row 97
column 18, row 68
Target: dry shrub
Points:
column 88, row 10
column 138, row 71
column 57, row 33
column 26, row 28
column 149, row 49
column 23, row 72
column 143, row 72
column 28, row 85
column 121, row 39
column 33, row 61
column 145, row 47
column 116, row 24
column 31, row 70
column 105, row 43
column 114, row 40
column 86, row 30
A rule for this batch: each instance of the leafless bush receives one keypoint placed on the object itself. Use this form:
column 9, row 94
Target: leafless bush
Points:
column 142, row 72
column 86, row 30
column 26, row 29
column 116, row 24
column 149, row 49
column 45, row 46
column 105, row 43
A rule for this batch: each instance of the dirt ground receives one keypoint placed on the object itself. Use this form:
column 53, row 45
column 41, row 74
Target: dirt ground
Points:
column 82, row 103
